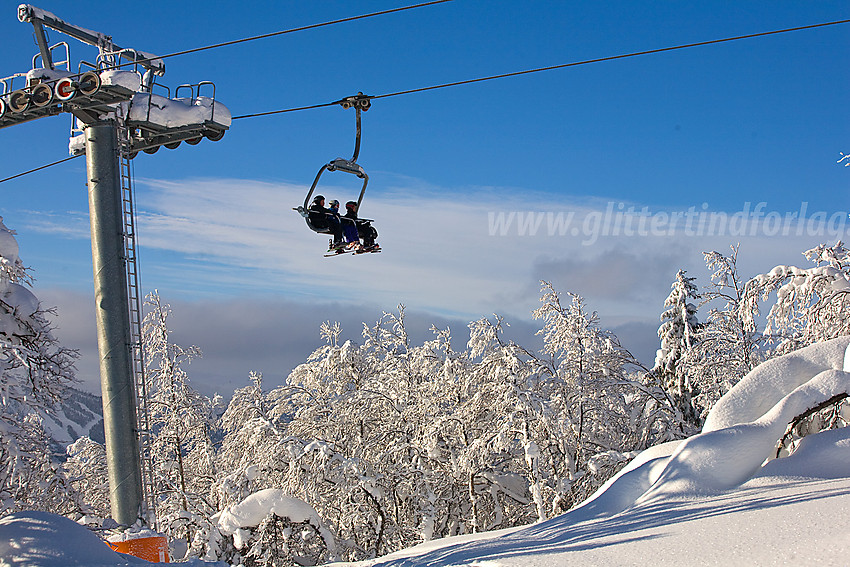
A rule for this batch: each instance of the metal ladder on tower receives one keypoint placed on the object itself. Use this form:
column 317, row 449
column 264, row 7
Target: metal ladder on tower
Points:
column 135, row 314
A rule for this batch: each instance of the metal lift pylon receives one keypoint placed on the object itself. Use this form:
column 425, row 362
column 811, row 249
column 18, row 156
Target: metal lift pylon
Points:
column 115, row 337
column 112, row 137
column 117, row 381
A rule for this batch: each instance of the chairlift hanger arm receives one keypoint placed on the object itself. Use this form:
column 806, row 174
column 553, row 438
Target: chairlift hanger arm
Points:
column 40, row 18
column 358, row 102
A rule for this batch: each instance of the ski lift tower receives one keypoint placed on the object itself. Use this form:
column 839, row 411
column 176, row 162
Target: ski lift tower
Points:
column 117, row 115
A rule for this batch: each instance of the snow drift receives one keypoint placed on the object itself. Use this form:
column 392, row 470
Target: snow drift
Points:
column 771, row 381
column 41, row 538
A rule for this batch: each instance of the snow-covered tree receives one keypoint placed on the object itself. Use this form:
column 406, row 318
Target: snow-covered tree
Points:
column 361, row 415
column 86, row 470
column 253, row 456
column 394, row 443
column 250, row 452
column 678, row 333
column 603, row 410
column 181, row 422
column 726, row 347
column 811, row 304
column 34, row 372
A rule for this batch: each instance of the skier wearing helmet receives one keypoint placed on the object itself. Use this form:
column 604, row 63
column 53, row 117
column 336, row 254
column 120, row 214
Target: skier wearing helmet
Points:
column 323, row 218
column 360, row 228
column 349, row 226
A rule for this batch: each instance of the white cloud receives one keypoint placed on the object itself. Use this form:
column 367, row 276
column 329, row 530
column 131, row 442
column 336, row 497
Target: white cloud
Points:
column 445, row 250
column 437, row 252
column 68, row 224
column 209, row 244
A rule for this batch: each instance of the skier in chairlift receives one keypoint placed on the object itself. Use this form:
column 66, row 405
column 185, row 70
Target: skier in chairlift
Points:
column 320, row 217
column 349, row 230
column 359, row 228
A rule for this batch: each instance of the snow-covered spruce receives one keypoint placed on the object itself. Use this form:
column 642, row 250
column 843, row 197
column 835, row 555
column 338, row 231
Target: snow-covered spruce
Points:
column 678, row 333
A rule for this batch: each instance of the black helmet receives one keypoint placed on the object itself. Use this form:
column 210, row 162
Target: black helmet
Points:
column 318, row 198
column 351, row 205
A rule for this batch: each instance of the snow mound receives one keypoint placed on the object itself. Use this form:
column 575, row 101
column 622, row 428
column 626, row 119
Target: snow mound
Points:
column 726, row 458
column 41, row 539
column 622, row 490
column 770, row 381
column 822, row 456
column 740, row 433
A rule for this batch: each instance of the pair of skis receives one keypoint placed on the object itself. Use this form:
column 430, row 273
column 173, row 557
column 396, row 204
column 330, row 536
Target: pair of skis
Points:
column 355, row 250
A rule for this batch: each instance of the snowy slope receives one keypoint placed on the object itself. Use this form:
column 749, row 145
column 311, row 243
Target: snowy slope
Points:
column 792, row 513
column 79, row 414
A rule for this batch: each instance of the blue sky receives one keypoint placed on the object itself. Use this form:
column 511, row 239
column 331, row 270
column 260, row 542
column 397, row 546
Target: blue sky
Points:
column 751, row 121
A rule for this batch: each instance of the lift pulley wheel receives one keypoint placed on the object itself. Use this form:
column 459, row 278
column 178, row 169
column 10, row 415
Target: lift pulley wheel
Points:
column 2, row 108
column 41, row 95
column 359, row 101
column 19, row 101
column 89, row 83
column 65, row 89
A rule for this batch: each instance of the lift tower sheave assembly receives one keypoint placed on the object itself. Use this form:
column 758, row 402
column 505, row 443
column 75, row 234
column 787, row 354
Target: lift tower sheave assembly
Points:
column 117, row 115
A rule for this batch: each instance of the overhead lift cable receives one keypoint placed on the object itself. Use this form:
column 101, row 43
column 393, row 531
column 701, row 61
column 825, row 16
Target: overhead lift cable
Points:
column 468, row 81
column 38, row 168
column 291, row 30
column 552, row 67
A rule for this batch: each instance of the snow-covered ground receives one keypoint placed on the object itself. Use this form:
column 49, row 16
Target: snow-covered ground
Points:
column 715, row 498
column 792, row 513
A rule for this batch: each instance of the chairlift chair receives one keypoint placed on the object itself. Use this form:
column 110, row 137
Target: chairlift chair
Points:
column 358, row 102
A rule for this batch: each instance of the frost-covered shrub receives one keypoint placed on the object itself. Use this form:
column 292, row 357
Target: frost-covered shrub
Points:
column 268, row 528
column 727, row 346
column 182, row 422
column 86, row 470
column 811, row 304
